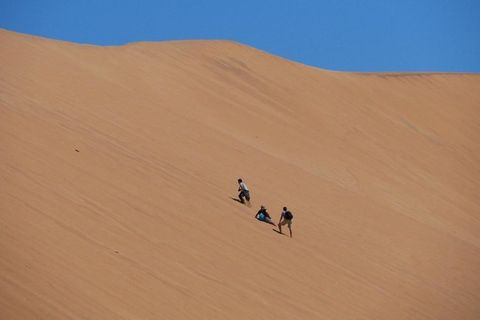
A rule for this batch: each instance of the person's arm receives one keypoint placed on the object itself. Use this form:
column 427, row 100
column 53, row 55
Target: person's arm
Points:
column 281, row 216
column 256, row 216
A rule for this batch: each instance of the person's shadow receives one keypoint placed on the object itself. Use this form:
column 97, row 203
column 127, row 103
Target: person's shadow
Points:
column 283, row 234
column 247, row 203
column 235, row 199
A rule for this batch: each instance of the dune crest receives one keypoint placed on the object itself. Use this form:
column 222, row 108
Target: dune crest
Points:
column 118, row 164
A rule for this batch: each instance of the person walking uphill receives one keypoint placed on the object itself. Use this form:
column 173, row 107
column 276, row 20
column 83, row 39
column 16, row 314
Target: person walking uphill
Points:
column 244, row 192
column 263, row 215
column 285, row 218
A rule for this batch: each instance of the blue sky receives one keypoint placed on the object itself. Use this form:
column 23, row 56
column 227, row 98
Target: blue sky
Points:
column 345, row 35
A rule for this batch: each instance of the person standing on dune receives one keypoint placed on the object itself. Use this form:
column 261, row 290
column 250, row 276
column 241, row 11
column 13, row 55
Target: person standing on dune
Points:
column 244, row 192
column 285, row 218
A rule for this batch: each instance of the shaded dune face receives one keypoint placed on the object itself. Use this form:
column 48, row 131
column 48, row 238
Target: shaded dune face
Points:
column 118, row 165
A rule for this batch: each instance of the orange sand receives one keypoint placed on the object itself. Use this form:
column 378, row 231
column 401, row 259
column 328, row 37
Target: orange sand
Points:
column 118, row 163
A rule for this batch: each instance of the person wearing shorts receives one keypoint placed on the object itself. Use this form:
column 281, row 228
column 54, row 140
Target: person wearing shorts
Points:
column 285, row 219
column 244, row 192
column 263, row 215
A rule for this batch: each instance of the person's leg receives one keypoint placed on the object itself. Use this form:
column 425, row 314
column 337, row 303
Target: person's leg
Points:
column 247, row 195
column 240, row 196
column 269, row 221
column 290, row 228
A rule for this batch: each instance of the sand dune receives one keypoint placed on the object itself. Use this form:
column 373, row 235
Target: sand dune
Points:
column 118, row 164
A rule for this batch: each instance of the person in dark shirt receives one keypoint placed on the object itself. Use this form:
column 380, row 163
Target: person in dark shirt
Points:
column 263, row 215
column 285, row 219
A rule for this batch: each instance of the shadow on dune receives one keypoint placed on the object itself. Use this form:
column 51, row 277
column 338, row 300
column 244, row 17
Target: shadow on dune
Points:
column 235, row 199
column 283, row 234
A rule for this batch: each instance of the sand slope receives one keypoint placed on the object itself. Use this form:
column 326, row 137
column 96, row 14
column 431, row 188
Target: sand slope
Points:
column 118, row 163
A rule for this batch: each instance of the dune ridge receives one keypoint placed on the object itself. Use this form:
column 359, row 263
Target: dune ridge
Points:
column 118, row 164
